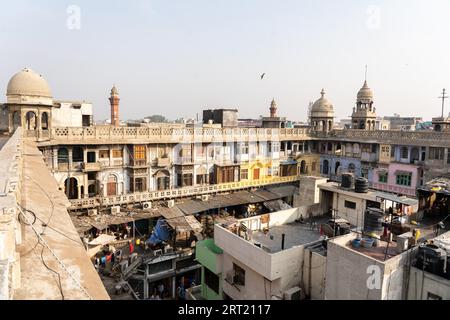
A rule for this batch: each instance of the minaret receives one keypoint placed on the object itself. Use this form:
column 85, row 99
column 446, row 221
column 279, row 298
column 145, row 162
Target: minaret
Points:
column 114, row 101
column 273, row 109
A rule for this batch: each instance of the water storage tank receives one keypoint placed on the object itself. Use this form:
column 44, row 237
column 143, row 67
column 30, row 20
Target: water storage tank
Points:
column 361, row 185
column 373, row 220
column 347, row 180
column 432, row 259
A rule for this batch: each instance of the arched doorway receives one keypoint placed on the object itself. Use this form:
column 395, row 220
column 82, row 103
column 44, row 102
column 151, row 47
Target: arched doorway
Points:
column 303, row 167
column 162, row 180
column 325, row 167
column 30, row 120
column 111, row 185
column 44, row 121
column 71, row 188
column 337, row 167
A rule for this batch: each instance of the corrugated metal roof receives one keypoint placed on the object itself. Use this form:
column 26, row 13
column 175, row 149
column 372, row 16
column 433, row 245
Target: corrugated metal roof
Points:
column 283, row 191
column 222, row 201
column 170, row 213
column 193, row 206
column 392, row 197
column 266, row 195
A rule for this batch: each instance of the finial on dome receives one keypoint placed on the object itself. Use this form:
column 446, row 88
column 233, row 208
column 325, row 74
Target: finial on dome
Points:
column 114, row 91
column 322, row 92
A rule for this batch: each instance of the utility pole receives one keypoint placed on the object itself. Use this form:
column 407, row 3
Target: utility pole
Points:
column 443, row 97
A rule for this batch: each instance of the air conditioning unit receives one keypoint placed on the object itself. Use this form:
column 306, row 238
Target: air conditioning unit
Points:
column 92, row 212
column 115, row 210
column 205, row 198
column 170, row 203
column 403, row 241
column 168, row 249
column 147, row 205
column 294, row 293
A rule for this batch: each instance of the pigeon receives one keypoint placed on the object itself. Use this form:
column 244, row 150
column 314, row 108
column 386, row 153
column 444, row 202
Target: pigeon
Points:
column 262, row 76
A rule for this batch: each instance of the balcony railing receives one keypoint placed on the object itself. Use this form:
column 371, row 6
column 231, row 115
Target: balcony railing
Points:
column 164, row 134
column 176, row 193
column 91, row 166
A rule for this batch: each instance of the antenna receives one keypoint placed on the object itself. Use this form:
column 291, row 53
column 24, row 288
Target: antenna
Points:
column 365, row 76
column 443, row 97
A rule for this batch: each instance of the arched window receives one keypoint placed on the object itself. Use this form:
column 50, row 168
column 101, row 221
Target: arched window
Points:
column 71, row 188
column 44, row 121
column 325, row 167
column 30, row 118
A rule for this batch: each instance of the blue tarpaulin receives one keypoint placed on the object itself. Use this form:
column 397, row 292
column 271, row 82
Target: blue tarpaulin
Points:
column 160, row 233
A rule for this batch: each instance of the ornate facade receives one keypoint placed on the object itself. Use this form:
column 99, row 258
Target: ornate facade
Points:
column 110, row 165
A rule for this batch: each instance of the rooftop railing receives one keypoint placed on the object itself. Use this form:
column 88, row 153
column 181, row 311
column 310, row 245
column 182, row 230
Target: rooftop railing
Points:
column 130, row 198
column 109, row 134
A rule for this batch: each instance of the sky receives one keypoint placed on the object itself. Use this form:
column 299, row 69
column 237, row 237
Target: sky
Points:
column 178, row 57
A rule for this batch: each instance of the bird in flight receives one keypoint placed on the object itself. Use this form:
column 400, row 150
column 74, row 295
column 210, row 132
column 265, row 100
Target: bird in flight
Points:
column 262, row 76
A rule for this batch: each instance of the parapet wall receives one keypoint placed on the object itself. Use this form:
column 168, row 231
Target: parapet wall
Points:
column 10, row 231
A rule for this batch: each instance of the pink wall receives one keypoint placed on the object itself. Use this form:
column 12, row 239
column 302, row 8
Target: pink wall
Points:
column 391, row 185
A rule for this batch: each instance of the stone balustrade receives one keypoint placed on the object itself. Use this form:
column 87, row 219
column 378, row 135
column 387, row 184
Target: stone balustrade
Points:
column 10, row 231
column 418, row 138
column 167, row 134
column 130, row 198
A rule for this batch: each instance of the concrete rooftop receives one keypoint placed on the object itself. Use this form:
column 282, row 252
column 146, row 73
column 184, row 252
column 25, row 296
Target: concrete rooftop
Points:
column 296, row 234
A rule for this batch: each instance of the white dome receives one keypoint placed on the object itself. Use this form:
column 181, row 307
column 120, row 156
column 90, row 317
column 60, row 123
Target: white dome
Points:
column 28, row 83
column 365, row 93
column 322, row 105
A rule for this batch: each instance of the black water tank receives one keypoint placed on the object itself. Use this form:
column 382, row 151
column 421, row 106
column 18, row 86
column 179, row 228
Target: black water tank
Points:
column 432, row 259
column 347, row 180
column 361, row 185
column 447, row 274
column 373, row 220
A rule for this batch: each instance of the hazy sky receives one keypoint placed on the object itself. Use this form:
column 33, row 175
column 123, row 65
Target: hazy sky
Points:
column 177, row 57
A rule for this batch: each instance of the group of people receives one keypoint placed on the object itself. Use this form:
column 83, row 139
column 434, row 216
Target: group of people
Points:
column 158, row 292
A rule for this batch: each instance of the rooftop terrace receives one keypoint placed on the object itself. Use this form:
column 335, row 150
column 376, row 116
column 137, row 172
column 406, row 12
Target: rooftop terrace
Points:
column 295, row 234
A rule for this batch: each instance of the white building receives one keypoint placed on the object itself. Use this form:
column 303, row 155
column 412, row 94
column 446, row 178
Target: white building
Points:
column 267, row 265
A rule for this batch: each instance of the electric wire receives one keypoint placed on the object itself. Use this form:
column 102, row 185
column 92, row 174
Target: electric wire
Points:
column 44, row 243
